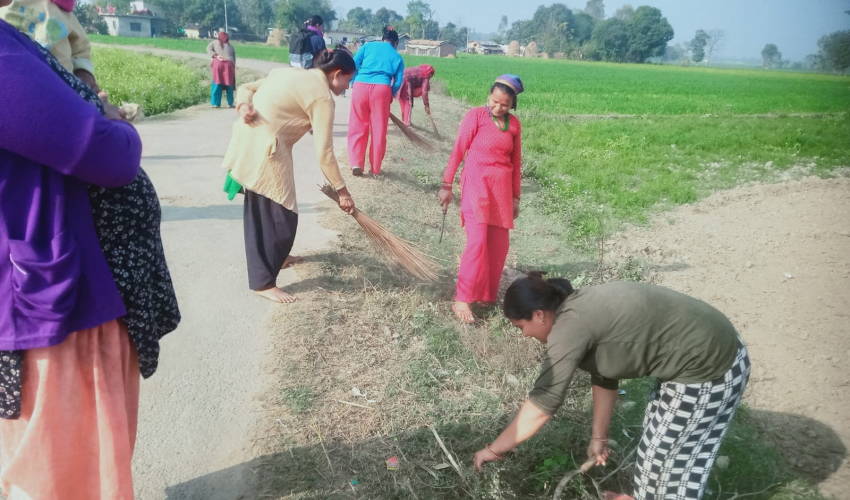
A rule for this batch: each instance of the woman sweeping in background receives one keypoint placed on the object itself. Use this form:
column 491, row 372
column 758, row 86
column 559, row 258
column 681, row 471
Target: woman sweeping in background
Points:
column 489, row 144
column 380, row 71
column 275, row 113
column 625, row 330
column 223, row 69
column 417, row 83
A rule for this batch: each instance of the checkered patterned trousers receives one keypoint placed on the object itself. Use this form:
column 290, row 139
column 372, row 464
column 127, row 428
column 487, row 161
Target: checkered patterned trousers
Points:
column 683, row 428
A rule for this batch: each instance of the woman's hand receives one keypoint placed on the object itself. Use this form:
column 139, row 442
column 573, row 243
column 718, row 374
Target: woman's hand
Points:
column 110, row 111
column 248, row 114
column 346, row 204
column 482, row 456
column 598, row 449
column 516, row 208
column 445, row 198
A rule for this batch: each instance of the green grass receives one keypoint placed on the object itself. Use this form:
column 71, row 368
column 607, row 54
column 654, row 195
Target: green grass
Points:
column 160, row 85
column 572, row 87
column 687, row 133
column 626, row 170
column 243, row 50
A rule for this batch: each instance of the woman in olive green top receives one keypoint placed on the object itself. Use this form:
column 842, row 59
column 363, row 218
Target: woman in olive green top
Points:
column 625, row 330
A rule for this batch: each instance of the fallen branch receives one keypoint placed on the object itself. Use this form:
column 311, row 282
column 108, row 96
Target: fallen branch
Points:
column 451, row 458
column 355, row 404
column 569, row 475
column 319, row 434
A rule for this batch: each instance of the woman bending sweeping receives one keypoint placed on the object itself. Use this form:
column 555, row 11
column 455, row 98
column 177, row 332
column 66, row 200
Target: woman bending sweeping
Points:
column 417, row 83
column 380, row 72
column 625, row 330
column 275, row 113
column 489, row 144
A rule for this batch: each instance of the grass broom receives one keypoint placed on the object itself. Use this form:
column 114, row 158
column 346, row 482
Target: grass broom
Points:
column 412, row 136
column 433, row 125
column 390, row 247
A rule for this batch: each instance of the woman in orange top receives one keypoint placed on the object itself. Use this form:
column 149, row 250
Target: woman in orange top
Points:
column 490, row 141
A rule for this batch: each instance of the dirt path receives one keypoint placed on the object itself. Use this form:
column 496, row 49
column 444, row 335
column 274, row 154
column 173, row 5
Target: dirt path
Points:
column 200, row 412
column 776, row 260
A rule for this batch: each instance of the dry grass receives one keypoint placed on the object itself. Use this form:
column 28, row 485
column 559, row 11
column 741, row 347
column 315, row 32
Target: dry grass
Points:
column 360, row 325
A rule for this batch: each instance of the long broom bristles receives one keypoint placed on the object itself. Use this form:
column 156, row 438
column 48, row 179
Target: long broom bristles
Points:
column 412, row 136
column 389, row 246
column 434, row 126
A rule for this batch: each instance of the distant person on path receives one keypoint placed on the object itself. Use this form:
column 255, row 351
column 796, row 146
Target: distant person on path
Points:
column 489, row 143
column 417, row 83
column 223, row 69
column 380, row 71
column 307, row 43
column 622, row 330
column 54, row 26
column 275, row 113
column 85, row 294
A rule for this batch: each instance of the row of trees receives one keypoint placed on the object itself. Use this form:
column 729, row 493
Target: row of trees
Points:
column 630, row 35
column 833, row 53
column 250, row 16
column 419, row 23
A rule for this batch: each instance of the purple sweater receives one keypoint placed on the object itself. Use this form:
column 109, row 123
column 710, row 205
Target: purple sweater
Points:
column 54, row 279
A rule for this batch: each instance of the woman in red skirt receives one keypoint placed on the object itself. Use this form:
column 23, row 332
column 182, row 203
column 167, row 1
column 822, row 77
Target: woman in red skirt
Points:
column 416, row 83
column 490, row 141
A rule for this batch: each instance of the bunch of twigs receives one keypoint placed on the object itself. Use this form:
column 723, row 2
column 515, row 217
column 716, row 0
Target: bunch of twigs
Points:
column 412, row 136
column 390, row 247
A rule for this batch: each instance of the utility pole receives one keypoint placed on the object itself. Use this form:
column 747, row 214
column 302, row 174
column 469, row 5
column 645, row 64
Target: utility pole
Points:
column 226, row 28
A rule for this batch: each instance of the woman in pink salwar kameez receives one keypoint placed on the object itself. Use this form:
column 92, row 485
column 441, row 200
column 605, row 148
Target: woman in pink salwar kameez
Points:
column 489, row 144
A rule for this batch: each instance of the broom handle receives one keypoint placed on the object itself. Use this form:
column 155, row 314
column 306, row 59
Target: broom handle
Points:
column 433, row 125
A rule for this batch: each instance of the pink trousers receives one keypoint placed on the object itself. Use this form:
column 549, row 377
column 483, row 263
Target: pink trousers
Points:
column 483, row 260
column 75, row 437
column 370, row 113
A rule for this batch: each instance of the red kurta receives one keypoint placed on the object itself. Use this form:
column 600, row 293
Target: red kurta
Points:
column 492, row 168
column 223, row 72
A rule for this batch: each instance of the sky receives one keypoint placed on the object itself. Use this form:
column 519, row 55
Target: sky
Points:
column 793, row 25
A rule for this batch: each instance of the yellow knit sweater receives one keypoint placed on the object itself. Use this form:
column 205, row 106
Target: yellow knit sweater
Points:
column 56, row 30
column 289, row 102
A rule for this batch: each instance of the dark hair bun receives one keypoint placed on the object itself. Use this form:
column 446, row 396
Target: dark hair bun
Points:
column 534, row 292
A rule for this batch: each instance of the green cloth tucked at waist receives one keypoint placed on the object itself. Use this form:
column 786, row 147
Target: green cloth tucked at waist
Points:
column 231, row 187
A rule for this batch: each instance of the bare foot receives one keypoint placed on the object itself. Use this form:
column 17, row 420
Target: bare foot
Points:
column 275, row 294
column 292, row 260
column 463, row 312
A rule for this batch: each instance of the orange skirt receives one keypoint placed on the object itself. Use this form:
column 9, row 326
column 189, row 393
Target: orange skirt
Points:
column 77, row 430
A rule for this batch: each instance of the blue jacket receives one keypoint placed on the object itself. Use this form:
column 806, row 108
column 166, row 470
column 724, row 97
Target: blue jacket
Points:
column 379, row 63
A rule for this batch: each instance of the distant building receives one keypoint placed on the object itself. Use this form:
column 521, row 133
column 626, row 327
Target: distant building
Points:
column 433, row 48
column 143, row 20
column 486, row 48
column 134, row 25
column 141, row 7
column 197, row 31
column 402, row 41
column 333, row 37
